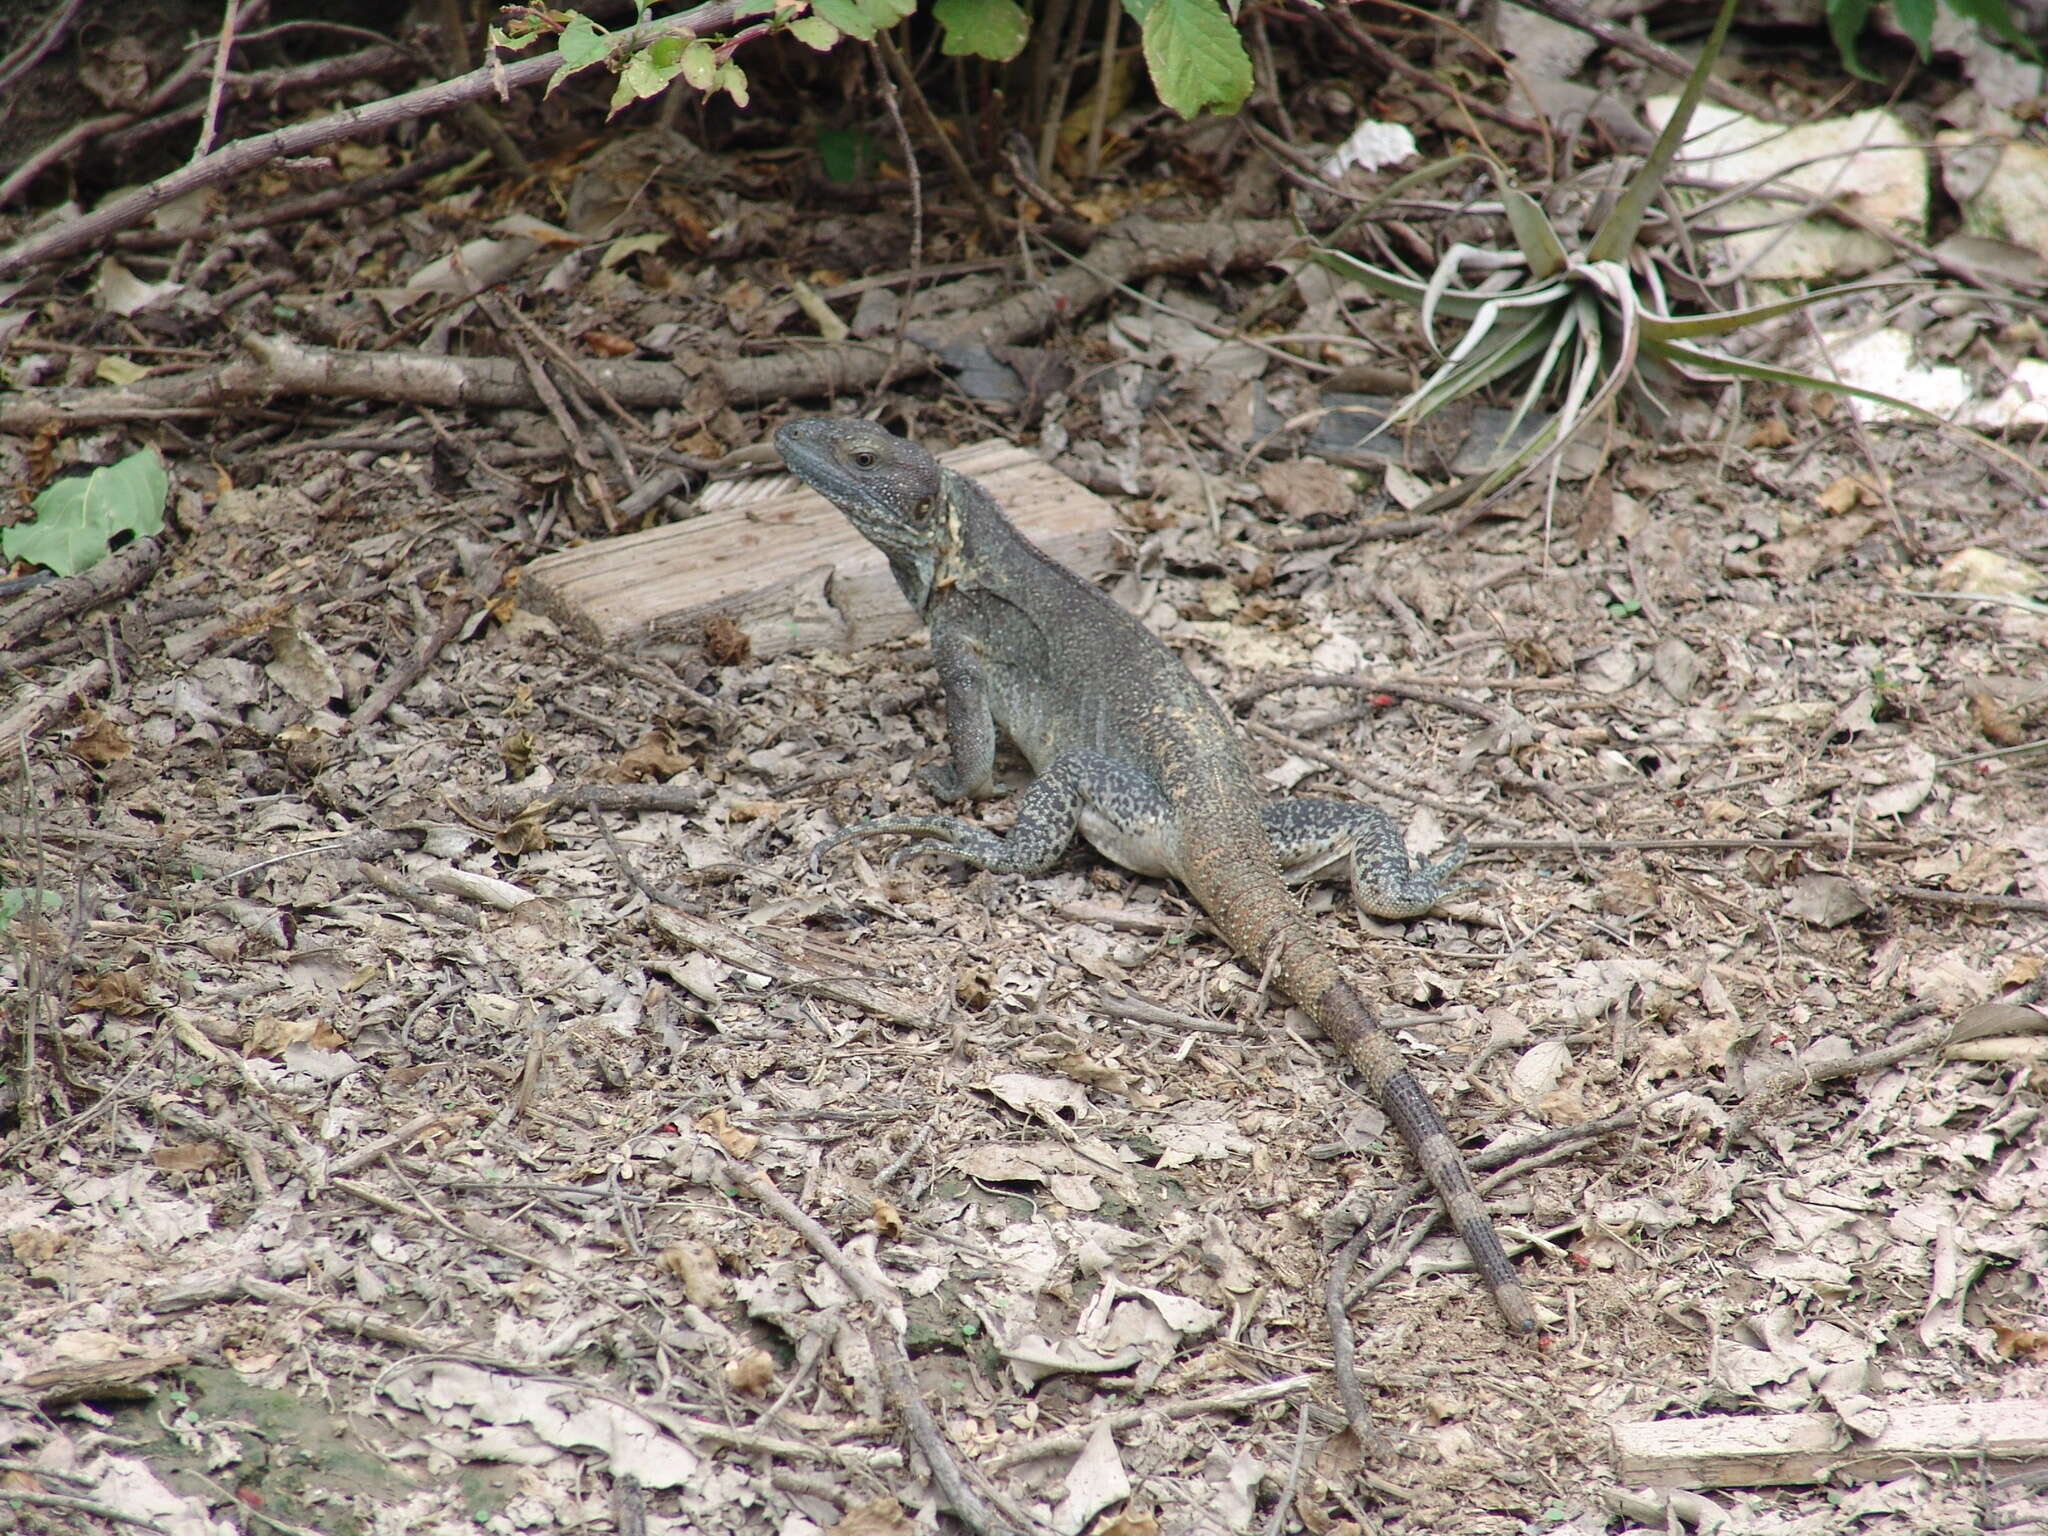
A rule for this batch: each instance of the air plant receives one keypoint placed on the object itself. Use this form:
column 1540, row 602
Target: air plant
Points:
column 1585, row 325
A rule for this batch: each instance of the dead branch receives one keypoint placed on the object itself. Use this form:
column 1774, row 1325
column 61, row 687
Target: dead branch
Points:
column 393, row 688
column 1996, row 903
column 279, row 365
column 1070, row 1442
column 291, row 210
column 1781, row 1086
column 1344, row 1344
column 884, row 1327
column 615, row 799
column 699, row 933
column 43, row 705
column 116, row 576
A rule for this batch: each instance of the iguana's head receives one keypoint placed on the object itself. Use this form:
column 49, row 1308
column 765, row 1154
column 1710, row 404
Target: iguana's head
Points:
column 890, row 489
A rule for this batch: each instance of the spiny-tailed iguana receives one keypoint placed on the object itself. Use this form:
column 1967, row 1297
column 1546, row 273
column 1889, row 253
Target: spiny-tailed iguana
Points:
column 1136, row 754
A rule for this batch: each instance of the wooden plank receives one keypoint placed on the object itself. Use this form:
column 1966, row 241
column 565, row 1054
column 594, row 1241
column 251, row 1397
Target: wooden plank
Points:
column 785, row 565
column 2003, row 1436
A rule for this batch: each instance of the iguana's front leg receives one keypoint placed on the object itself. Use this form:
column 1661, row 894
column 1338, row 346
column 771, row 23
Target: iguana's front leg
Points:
column 1320, row 839
column 1121, row 805
column 970, row 728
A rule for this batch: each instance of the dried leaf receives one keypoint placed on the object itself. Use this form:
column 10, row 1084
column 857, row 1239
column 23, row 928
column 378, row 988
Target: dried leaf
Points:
column 1825, row 901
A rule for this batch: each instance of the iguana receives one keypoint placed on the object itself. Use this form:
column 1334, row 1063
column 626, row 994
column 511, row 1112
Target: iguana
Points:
column 1132, row 751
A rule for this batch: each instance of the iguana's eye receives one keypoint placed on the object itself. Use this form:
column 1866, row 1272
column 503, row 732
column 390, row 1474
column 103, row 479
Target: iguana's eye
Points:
column 865, row 458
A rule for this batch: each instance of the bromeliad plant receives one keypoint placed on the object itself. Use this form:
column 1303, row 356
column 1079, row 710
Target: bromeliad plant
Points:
column 1585, row 325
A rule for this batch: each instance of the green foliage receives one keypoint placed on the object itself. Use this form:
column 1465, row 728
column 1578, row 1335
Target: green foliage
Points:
column 76, row 519
column 1847, row 18
column 1580, row 326
column 986, row 29
column 846, row 155
column 15, row 899
column 862, row 19
column 1197, row 61
column 645, row 71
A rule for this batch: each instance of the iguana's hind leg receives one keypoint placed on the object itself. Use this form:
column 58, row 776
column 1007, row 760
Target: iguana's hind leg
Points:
column 1117, row 806
column 1320, row 839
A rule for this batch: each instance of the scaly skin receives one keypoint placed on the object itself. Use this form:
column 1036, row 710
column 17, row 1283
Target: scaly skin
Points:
column 1130, row 749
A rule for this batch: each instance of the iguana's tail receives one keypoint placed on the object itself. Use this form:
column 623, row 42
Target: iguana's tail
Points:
column 1261, row 920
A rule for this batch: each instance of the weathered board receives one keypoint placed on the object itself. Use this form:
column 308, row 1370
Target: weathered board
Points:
column 1753, row 1451
column 784, row 564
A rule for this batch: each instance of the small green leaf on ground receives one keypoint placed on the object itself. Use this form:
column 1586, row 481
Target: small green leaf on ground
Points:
column 14, row 900
column 1196, row 58
column 845, row 155
column 76, row 519
column 988, row 29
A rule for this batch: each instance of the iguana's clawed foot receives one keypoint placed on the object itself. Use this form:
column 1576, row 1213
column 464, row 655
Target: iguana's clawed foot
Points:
column 1391, row 889
column 1327, row 839
column 942, row 780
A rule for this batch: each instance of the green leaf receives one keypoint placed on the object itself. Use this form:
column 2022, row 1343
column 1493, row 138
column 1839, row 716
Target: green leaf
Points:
column 886, row 13
column 814, row 32
column 700, row 65
column 582, row 44
column 1845, row 25
column 1196, row 58
column 733, row 81
column 76, row 519
column 847, row 17
column 667, row 51
column 1764, row 373
column 1541, row 248
column 846, row 155
column 1916, row 20
column 1393, row 285
column 1721, row 322
column 1617, row 232
column 642, row 77
column 500, row 38
column 15, row 899
column 986, row 29
column 1507, row 352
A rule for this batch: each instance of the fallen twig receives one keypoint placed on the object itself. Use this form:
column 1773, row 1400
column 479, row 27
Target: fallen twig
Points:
column 43, row 705
column 1344, row 1344
column 1769, row 1095
column 393, row 688
column 116, row 576
column 884, row 1327
column 694, row 932
column 1964, row 898
column 1070, row 1442
column 80, row 1507
column 292, row 209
